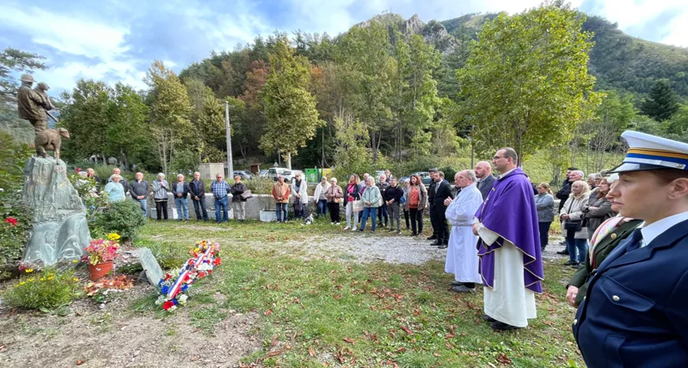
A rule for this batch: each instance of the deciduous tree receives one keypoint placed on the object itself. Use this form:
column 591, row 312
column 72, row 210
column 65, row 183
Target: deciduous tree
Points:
column 289, row 108
column 526, row 82
column 170, row 109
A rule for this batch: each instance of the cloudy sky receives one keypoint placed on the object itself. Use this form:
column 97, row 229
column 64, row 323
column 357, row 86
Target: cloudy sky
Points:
column 117, row 40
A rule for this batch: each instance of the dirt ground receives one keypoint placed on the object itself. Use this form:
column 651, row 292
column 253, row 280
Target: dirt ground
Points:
column 117, row 337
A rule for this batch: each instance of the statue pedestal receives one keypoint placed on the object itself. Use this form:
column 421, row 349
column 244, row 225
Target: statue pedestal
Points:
column 60, row 230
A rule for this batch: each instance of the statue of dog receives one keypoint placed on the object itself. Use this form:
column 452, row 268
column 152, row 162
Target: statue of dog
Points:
column 50, row 140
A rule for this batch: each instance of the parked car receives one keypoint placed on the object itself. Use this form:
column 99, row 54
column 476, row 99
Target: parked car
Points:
column 245, row 175
column 288, row 174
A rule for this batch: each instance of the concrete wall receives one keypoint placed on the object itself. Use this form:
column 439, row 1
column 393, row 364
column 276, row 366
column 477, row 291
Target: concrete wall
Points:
column 209, row 170
column 253, row 207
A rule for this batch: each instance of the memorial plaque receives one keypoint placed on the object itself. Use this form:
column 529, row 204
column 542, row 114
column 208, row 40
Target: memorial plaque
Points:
column 150, row 266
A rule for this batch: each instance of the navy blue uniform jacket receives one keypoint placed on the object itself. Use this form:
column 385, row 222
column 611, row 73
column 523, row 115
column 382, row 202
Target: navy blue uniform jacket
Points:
column 635, row 313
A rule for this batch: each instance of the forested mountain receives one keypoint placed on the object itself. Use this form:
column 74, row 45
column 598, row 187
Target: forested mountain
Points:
column 387, row 92
column 619, row 61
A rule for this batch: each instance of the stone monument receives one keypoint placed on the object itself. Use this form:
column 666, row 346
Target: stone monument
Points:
column 60, row 230
column 150, row 266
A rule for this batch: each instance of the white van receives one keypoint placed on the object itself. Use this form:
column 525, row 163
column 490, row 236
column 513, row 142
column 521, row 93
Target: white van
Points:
column 288, row 174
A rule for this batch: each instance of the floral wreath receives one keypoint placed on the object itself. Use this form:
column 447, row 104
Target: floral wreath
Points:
column 175, row 284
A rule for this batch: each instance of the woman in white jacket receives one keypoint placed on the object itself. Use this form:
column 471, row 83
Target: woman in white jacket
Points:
column 576, row 233
column 319, row 198
column 299, row 192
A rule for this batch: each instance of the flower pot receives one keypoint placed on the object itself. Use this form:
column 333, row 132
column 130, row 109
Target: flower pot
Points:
column 98, row 271
column 268, row 216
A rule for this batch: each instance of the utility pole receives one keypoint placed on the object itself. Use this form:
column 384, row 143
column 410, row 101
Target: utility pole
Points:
column 230, row 165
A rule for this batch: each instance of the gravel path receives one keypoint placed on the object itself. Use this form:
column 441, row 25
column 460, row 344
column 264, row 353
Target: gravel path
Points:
column 367, row 248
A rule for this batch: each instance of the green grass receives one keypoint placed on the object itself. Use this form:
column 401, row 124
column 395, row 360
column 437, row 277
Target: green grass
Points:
column 358, row 315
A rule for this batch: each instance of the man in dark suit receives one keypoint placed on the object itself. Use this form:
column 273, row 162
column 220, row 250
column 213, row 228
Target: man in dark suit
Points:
column 431, row 197
column 634, row 313
column 563, row 195
column 442, row 192
column 197, row 191
column 483, row 171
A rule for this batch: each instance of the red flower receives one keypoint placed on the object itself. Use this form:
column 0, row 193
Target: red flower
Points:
column 201, row 274
column 167, row 305
column 11, row 220
column 217, row 261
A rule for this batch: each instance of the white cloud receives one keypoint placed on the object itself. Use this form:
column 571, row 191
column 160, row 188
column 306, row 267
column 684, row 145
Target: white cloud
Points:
column 67, row 33
column 94, row 45
column 634, row 15
column 73, row 35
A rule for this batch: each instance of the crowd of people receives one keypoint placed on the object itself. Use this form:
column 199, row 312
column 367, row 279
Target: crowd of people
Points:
column 625, row 231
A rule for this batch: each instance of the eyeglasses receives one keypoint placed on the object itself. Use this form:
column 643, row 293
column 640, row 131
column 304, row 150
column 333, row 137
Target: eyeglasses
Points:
column 497, row 157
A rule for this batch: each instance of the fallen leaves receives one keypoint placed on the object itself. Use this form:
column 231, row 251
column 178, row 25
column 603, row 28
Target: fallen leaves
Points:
column 80, row 362
column 349, row 340
column 268, row 312
column 407, row 330
column 503, row 359
column 311, row 352
column 121, row 282
column 371, row 336
column 451, row 333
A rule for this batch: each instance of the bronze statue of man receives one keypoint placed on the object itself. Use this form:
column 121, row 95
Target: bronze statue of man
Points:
column 32, row 106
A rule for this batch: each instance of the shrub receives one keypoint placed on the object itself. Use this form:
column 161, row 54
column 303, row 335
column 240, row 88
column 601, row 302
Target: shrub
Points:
column 124, row 218
column 15, row 217
column 88, row 192
column 44, row 291
column 257, row 185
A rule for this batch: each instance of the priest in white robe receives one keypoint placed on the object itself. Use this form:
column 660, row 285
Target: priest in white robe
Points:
column 510, row 253
column 462, row 255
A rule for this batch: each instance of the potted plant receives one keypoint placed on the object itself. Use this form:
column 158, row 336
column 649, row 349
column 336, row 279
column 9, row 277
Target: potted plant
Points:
column 99, row 254
column 267, row 214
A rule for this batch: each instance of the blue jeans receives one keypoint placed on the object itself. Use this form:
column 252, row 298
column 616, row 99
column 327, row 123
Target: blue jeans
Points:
column 144, row 206
column 322, row 207
column 576, row 244
column 221, row 207
column 182, row 208
column 281, row 208
column 369, row 212
column 544, row 232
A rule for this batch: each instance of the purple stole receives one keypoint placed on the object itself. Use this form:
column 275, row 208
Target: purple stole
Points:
column 509, row 210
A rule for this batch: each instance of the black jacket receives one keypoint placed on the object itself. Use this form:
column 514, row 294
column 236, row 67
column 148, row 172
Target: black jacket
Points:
column 442, row 191
column 185, row 190
column 197, row 190
column 393, row 193
column 237, row 190
column 139, row 189
column 565, row 191
column 486, row 185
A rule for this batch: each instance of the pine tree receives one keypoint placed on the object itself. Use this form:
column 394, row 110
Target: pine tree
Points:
column 662, row 103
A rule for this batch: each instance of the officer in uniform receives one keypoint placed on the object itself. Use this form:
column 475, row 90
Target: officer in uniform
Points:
column 635, row 311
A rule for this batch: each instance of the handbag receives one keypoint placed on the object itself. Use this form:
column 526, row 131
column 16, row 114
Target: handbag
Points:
column 573, row 225
column 338, row 200
column 357, row 205
column 246, row 194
